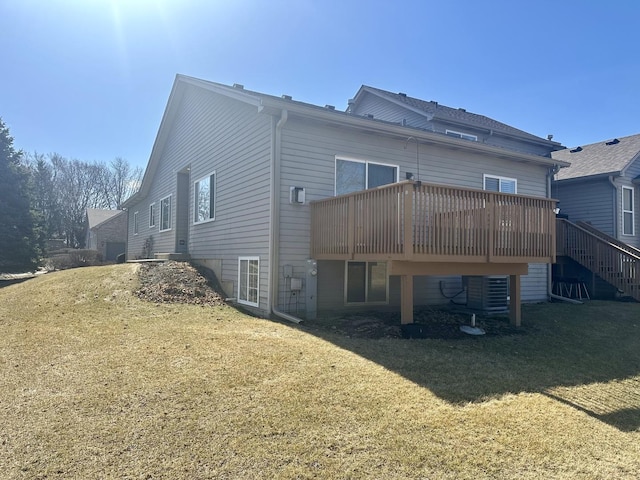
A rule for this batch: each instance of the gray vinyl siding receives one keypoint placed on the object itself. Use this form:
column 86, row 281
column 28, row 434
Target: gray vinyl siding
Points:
column 589, row 201
column 308, row 160
column 390, row 112
column 633, row 170
column 237, row 146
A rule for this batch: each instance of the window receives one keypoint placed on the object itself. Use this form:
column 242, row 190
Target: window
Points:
column 135, row 223
column 204, row 195
column 628, row 219
column 464, row 136
column 152, row 215
column 356, row 175
column 500, row 184
column 366, row 282
column 165, row 214
column 248, row 281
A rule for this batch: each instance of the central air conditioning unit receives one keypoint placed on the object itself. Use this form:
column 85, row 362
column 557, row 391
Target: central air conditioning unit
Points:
column 488, row 294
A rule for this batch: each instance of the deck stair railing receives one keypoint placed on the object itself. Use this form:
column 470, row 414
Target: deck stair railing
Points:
column 599, row 233
column 415, row 221
column 616, row 264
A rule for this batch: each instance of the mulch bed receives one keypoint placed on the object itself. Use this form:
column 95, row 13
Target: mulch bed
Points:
column 436, row 322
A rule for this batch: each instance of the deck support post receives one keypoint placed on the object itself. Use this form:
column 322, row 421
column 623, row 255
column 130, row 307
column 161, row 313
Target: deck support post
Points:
column 515, row 311
column 406, row 303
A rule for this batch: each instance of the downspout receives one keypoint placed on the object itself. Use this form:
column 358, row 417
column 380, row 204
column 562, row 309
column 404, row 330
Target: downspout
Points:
column 274, row 222
column 126, row 245
column 552, row 296
column 616, row 221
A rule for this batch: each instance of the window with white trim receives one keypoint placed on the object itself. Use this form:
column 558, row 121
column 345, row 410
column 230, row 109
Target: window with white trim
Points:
column 357, row 175
column 464, row 136
column 204, row 199
column 165, row 213
column 135, row 223
column 628, row 212
column 366, row 282
column 495, row 183
column 152, row 215
column 249, row 281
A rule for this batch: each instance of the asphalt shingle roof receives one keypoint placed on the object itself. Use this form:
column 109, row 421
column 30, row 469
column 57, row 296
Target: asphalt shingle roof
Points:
column 96, row 216
column 606, row 157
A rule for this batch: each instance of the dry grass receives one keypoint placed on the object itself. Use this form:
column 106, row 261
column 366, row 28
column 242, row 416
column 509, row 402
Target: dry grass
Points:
column 99, row 384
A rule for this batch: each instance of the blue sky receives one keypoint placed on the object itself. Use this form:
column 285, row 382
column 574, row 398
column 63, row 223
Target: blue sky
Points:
column 89, row 79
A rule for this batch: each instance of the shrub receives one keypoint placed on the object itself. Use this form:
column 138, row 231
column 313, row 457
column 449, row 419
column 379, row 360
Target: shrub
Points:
column 73, row 259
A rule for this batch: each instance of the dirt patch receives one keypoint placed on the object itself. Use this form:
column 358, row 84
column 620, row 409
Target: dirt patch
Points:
column 178, row 282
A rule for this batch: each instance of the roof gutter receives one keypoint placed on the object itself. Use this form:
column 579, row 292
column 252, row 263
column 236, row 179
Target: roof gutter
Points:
column 377, row 126
column 274, row 222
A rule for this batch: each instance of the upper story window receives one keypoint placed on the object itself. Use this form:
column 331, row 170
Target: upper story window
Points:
column 628, row 215
column 495, row 183
column 357, row 175
column 464, row 136
column 152, row 215
column 165, row 214
column 135, row 223
column 204, row 199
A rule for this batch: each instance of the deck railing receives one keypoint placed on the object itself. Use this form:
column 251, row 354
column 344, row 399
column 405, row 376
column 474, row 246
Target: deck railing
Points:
column 437, row 223
column 617, row 266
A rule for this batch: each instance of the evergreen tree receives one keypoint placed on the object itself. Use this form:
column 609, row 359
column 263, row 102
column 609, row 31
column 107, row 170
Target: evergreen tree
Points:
column 19, row 240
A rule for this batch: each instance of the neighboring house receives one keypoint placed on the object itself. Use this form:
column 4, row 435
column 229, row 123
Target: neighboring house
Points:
column 601, row 186
column 106, row 232
column 305, row 210
column 455, row 122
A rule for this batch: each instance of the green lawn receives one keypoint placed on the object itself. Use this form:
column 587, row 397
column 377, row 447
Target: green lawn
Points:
column 96, row 383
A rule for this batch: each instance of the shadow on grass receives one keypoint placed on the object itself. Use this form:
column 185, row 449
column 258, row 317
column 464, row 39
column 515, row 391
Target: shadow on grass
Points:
column 13, row 281
column 559, row 345
column 625, row 419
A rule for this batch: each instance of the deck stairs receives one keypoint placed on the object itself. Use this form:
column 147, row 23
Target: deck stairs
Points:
column 613, row 261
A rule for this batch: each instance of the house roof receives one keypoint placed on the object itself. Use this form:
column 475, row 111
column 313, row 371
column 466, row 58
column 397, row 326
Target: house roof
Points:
column 608, row 157
column 436, row 111
column 270, row 104
column 97, row 216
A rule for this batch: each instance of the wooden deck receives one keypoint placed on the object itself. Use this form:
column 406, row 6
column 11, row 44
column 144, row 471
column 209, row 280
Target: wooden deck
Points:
column 428, row 229
column 433, row 223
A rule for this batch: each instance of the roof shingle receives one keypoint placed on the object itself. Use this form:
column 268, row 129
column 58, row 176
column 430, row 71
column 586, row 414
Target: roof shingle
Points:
column 606, row 157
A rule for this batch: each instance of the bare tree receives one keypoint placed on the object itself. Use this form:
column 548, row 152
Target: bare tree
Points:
column 125, row 181
column 64, row 189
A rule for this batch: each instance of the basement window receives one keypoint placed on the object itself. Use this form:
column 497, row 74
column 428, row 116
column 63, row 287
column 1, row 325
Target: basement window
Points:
column 366, row 282
column 248, row 281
